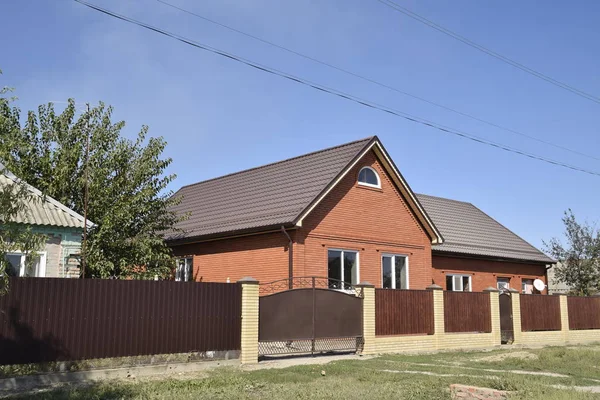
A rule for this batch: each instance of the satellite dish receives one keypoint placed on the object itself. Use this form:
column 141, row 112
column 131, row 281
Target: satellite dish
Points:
column 539, row 285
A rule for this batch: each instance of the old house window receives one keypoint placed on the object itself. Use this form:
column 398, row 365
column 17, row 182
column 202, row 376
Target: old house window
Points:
column 342, row 266
column 368, row 177
column 394, row 271
column 19, row 267
column 458, row 283
column 184, row 269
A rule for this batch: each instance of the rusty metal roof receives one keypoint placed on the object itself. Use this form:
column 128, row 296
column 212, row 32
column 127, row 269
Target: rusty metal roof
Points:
column 468, row 230
column 44, row 210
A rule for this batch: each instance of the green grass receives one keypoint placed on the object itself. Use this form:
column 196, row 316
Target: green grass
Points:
column 367, row 379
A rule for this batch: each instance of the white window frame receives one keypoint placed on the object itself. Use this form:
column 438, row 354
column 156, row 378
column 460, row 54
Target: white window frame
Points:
column 342, row 264
column 523, row 290
column 394, row 255
column 40, row 254
column 378, row 186
column 186, row 277
column 503, row 278
column 461, row 284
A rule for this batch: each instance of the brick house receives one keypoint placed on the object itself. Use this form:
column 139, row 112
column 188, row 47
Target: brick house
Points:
column 348, row 214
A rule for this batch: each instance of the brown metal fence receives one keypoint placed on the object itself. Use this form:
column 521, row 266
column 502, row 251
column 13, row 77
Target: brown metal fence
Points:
column 50, row 319
column 584, row 312
column 403, row 312
column 467, row 312
column 540, row 312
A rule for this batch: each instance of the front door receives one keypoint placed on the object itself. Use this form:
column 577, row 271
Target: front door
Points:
column 507, row 334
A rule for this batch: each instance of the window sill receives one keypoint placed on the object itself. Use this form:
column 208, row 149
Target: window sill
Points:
column 374, row 189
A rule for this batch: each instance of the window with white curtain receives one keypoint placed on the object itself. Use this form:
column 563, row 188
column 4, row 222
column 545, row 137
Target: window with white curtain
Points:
column 458, row 283
column 394, row 271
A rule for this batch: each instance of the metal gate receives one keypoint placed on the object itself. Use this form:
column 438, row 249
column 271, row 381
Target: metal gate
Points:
column 507, row 334
column 309, row 315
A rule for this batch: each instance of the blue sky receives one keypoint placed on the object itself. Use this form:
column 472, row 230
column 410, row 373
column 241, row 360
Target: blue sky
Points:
column 219, row 116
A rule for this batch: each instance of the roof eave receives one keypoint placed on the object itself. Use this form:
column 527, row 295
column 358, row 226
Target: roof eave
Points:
column 459, row 254
column 230, row 234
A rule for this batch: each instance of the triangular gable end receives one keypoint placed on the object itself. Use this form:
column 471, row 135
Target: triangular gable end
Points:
column 400, row 182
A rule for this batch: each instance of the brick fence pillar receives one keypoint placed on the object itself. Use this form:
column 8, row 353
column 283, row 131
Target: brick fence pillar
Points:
column 515, row 299
column 495, row 314
column 564, row 316
column 438, row 314
column 249, row 350
column 368, row 291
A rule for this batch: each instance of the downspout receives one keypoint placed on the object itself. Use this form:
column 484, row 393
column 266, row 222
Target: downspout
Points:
column 291, row 258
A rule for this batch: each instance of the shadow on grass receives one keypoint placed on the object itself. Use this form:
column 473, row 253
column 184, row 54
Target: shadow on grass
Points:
column 102, row 391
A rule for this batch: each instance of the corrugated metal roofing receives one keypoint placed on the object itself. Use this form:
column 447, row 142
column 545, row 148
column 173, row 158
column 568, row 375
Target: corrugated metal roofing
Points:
column 45, row 210
column 270, row 195
column 468, row 230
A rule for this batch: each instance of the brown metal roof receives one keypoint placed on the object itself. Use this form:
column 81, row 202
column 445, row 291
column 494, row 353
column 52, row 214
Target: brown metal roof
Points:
column 468, row 230
column 268, row 196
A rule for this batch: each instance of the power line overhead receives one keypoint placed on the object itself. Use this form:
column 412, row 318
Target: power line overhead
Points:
column 488, row 51
column 335, row 92
column 378, row 83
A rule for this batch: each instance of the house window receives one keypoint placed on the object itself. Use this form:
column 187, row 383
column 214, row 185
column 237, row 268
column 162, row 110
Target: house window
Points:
column 368, row 177
column 183, row 270
column 527, row 286
column 394, row 271
column 503, row 283
column 458, row 283
column 342, row 266
column 18, row 265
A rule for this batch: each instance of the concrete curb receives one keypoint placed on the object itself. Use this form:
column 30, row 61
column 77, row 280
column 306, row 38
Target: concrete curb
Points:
column 29, row 382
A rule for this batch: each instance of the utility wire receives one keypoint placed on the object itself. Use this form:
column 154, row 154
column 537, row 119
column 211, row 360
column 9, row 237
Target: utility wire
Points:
column 334, row 92
column 489, row 52
column 364, row 78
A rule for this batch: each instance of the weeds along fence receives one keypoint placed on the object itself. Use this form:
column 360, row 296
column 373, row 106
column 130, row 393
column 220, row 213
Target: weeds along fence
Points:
column 403, row 312
column 46, row 319
column 584, row 312
column 540, row 312
column 467, row 312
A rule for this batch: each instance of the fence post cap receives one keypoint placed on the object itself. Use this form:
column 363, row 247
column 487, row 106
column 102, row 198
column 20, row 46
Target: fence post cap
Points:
column 513, row 290
column 365, row 284
column 434, row 287
column 248, row 280
column 490, row 289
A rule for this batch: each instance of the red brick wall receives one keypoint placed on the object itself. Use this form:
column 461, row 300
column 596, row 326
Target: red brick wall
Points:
column 263, row 257
column 370, row 221
column 485, row 272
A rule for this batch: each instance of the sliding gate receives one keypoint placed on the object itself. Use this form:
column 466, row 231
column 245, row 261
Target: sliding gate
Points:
column 309, row 315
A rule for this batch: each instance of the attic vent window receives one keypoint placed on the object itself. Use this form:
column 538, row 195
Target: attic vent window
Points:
column 368, row 177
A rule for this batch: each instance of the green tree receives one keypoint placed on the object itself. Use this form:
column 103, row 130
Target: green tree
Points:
column 579, row 259
column 126, row 181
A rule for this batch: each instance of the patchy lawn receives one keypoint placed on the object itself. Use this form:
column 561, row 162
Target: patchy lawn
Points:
column 548, row 373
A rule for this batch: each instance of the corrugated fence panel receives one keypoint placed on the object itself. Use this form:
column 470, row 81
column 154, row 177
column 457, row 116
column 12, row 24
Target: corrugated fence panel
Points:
column 584, row 312
column 50, row 319
column 467, row 312
column 403, row 312
column 540, row 312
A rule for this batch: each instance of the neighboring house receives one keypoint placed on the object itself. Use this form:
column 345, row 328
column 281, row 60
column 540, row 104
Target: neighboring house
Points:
column 553, row 285
column 63, row 228
column 348, row 214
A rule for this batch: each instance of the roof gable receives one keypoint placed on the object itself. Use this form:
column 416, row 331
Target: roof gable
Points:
column 282, row 193
column 468, row 230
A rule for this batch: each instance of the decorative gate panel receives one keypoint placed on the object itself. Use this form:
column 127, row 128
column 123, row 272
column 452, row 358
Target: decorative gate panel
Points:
column 310, row 317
